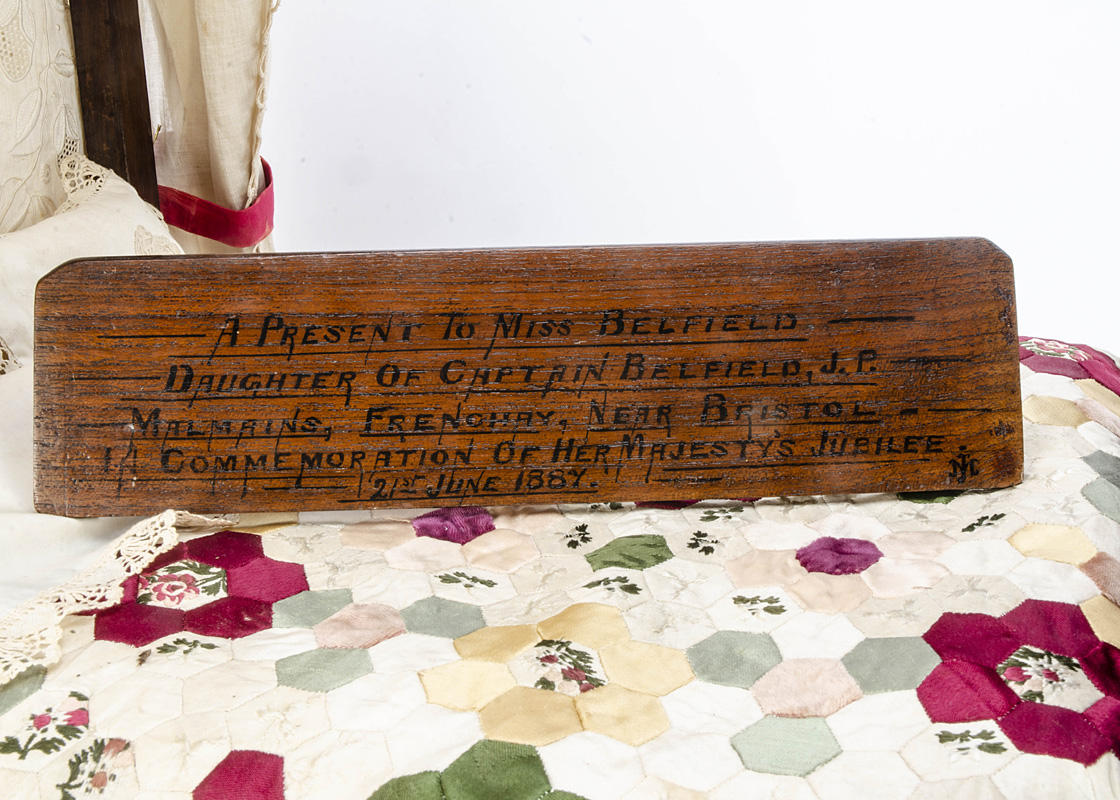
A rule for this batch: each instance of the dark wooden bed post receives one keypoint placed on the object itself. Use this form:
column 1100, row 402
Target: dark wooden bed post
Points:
column 116, row 122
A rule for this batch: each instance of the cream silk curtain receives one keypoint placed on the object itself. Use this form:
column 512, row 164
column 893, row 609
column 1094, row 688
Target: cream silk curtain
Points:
column 207, row 65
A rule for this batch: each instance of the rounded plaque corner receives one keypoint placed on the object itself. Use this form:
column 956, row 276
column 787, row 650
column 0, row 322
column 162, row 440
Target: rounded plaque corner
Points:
column 71, row 272
column 987, row 248
column 65, row 269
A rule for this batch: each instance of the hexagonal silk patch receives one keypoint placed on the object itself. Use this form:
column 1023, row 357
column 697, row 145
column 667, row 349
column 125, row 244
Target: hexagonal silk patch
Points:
column 530, row 716
column 1105, row 465
column 21, row 687
column 958, row 750
column 1104, row 618
column 498, row 644
column 495, row 769
column 306, row 609
column 246, row 773
column 890, row 664
column 322, row 670
column 559, row 665
column 359, row 626
column 1104, row 571
column 439, row 617
column 628, row 716
column 1063, row 543
column 456, row 525
column 806, row 687
column 466, row 685
column 829, row 594
column 765, row 568
column 631, row 552
column 784, row 746
column 426, row 554
column 488, row 769
column 1105, row 496
column 1053, row 411
column 734, row 658
column 595, row 624
column 648, row 668
column 380, row 535
column 183, row 584
column 501, row 551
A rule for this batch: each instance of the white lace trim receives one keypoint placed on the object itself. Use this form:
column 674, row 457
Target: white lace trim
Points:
column 81, row 178
column 8, row 360
column 146, row 243
column 30, row 634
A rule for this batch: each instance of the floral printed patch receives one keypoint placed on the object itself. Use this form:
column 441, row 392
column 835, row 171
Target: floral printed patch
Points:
column 577, row 537
column 49, row 730
column 464, row 579
column 619, row 583
column 758, row 604
column 966, row 742
column 94, row 768
column 183, row 647
column 573, row 652
column 703, row 543
column 229, row 595
column 984, row 521
column 720, row 514
column 1044, row 677
column 1053, row 349
column 1072, row 361
column 184, row 584
column 559, row 665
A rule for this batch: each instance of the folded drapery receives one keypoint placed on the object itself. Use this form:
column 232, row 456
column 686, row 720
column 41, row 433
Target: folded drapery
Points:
column 240, row 229
column 207, row 66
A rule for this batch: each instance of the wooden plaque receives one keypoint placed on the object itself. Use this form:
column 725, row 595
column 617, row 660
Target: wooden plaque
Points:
column 494, row 377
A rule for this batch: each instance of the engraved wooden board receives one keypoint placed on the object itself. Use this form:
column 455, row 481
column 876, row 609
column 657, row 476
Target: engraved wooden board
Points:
column 493, row 377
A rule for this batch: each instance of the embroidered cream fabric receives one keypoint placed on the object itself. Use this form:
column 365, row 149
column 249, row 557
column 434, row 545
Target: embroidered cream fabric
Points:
column 8, row 360
column 39, row 111
column 100, row 216
column 30, row 634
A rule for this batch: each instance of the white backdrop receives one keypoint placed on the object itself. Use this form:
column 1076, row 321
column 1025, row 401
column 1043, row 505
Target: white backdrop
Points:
column 446, row 123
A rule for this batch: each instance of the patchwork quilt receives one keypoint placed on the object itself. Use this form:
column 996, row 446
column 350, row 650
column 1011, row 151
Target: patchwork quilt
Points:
column 811, row 648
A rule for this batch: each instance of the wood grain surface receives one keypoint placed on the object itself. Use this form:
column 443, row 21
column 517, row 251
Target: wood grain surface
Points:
column 495, row 377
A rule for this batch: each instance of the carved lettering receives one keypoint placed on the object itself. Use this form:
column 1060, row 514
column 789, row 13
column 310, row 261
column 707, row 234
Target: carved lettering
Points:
column 730, row 376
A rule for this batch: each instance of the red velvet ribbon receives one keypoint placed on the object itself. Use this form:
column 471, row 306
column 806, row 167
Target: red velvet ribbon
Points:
column 212, row 221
